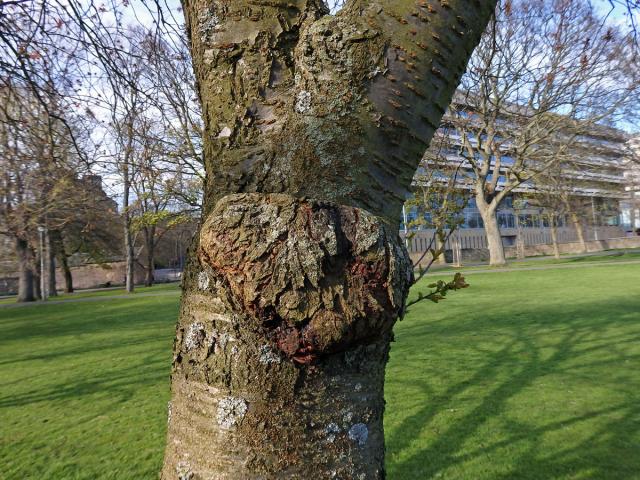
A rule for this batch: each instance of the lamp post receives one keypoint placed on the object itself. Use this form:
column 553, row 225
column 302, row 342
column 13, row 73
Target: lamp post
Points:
column 43, row 284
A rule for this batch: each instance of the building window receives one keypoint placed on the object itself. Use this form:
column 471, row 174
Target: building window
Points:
column 473, row 220
column 527, row 220
column 506, row 220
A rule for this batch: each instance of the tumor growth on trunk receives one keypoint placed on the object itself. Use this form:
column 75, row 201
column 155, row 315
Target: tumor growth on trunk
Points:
column 314, row 126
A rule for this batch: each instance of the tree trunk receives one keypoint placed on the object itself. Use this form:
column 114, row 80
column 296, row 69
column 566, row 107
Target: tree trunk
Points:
column 26, row 291
column 494, row 238
column 68, row 277
column 577, row 225
column 150, row 267
column 37, row 282
column 129, row 253
column 51, row 266
column 284, row 333
column 61, row 254
column 554, row 236
column 288, row 302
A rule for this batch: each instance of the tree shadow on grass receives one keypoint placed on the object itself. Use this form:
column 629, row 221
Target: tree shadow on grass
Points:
column 116, row 385
column 50, row 321
column 62, row 352
column 516, row 366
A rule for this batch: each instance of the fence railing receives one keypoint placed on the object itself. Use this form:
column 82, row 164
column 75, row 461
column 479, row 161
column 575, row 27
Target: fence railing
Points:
column 475, row 238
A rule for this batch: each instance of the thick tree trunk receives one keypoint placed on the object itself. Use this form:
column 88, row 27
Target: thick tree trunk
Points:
column 26, row 291
column 289, row 302
column 577, row 225
column 494, row 238
column 129, row 259
column 283, row 337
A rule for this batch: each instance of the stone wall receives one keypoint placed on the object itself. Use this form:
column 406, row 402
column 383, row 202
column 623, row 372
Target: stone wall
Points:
column 481, row 255
column 95, row 275
column 576, row 248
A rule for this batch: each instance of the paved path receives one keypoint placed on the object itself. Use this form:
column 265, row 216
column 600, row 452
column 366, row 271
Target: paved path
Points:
column 93, row 299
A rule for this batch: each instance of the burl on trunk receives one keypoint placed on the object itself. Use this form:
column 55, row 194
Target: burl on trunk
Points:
column 314, row 124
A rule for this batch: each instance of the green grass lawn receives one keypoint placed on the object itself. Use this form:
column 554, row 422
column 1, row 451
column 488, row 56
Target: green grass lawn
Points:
column 161, row 287
column 525, row 375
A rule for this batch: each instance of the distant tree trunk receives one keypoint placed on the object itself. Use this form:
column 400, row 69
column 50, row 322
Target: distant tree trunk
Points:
column 150, row 254
column 68, row 277
column 128, row 236
column 554, row 235
column 26, row 291
column 577, row 225
column 492, row 230
column 315, row 125
column 37, row 280
column 50, row 262
column 61, row 254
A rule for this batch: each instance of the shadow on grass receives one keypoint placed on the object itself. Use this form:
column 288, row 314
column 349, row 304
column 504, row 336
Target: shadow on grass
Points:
column 63, row 352
column 57, row 320
column 519, row 364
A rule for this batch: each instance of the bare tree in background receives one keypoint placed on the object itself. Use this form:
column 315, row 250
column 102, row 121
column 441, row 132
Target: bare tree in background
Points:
column 544, row 74
column 440, row 197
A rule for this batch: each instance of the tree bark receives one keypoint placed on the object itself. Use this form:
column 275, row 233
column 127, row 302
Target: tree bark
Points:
column 314, row 125
column 37, row 282
column 26, row 291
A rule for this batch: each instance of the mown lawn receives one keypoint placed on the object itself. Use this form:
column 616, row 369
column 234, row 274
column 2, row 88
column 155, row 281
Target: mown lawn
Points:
column 525, row 375
column 107, row 292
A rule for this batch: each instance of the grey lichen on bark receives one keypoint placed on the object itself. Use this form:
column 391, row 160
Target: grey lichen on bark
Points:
column 292, row 297
column 314, row 125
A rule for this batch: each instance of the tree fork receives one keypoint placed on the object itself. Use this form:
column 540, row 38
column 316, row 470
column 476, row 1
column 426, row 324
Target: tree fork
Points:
column 314, row 126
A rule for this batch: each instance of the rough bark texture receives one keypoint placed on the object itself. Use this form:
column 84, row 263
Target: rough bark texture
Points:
column 314, row 126
column 282, row 341
column 26, row 278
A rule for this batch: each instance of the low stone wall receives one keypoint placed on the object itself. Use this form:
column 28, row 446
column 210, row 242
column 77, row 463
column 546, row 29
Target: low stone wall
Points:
column 576, row 247
column 96, row 275
column 480, row 255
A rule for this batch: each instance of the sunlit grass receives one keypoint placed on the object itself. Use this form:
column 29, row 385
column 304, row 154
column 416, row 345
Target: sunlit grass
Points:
column 525, row 375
